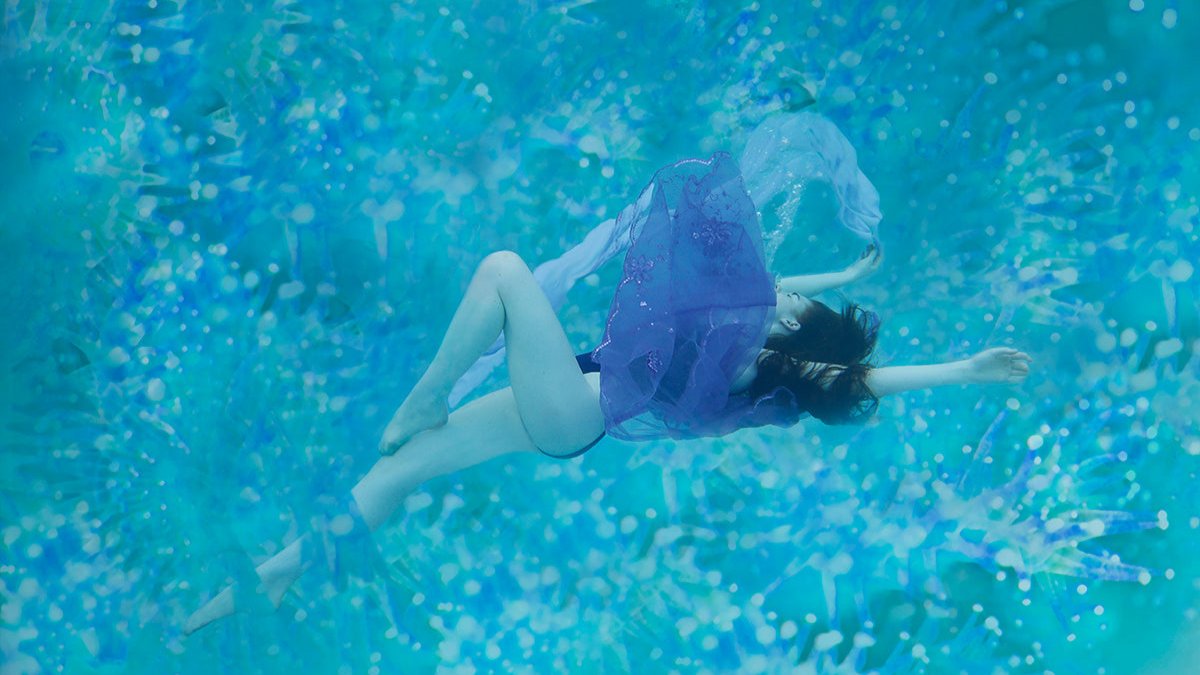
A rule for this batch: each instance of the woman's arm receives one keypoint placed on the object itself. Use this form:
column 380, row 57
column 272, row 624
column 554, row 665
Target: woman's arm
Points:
column 999, row 364
column 812, row 284
column 893, row 379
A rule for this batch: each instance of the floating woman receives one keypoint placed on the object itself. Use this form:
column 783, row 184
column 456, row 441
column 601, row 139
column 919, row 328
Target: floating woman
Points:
column 700, row 341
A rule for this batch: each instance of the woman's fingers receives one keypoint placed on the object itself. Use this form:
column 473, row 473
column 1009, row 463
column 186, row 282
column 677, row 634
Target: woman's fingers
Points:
column 868, row 261
column 872, row 252
column 1019, row 366
column 1019, row 363
column 1006, row 364
column 1016, row 355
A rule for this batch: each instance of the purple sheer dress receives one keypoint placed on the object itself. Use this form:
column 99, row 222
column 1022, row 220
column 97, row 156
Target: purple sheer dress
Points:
column 696, row 298
column 692, row 309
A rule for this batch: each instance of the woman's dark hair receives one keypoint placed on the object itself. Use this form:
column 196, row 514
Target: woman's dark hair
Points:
column 835, row 391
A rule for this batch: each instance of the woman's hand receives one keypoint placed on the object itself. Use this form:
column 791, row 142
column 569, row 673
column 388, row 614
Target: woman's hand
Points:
column 867, row 264
column 999, row 364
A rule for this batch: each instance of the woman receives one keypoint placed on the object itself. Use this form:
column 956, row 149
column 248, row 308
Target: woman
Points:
column 700, row 341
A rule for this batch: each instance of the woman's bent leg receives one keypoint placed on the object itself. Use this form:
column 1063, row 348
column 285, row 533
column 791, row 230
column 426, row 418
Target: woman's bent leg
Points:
column 476, row 324
column 556, row 404
column 559, row 406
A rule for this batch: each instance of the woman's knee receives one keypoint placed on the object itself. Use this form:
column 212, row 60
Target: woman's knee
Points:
column 503, row 264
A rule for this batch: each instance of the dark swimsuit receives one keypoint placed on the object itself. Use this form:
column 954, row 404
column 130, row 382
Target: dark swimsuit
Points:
column 586, row 365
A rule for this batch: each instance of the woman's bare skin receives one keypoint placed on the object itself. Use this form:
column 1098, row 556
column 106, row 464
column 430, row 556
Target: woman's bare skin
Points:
column 551, row 406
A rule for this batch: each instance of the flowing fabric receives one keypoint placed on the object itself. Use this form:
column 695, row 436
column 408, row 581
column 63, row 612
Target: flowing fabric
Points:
column 786, row 152
column 696, row 297
column 692, row 309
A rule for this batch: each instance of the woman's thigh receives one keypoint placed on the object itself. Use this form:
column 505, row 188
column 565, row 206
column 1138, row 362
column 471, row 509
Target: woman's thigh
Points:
column 558, row 405
column 479, row 431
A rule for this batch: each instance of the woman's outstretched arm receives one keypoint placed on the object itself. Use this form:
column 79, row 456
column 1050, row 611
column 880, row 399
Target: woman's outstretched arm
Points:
column 1000, row 364
column 812, row 284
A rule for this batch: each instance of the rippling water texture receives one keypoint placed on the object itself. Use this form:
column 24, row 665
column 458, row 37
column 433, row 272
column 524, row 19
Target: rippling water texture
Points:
column 233, row 233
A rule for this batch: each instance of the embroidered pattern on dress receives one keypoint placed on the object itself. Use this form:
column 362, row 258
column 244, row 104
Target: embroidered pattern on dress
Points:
column 714, row 235
column 638, row 270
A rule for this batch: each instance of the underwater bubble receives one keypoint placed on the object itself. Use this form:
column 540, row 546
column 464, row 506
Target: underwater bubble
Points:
column 828, row 640
column 1180, row 271
column 1168, row 347
column 1008, row 558
column 303, row 214
column 291, row 290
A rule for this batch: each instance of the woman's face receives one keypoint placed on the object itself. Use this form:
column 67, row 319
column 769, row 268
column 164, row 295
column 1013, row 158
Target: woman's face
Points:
column 789, row 312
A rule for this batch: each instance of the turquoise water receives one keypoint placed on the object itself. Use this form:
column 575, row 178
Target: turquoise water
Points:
column 234, row 234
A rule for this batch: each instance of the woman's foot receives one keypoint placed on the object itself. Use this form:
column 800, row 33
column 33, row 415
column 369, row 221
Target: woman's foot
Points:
column 218, row 608
column 225, row 604
column 418, row 413
column 276, row 575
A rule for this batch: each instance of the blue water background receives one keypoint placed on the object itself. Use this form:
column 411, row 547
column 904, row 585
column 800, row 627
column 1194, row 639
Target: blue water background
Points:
column 233, row 233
